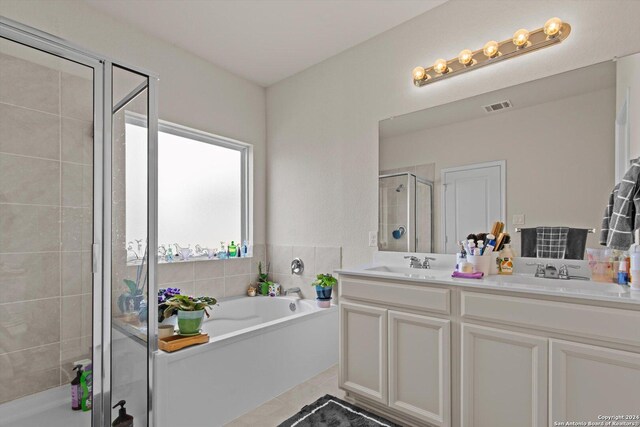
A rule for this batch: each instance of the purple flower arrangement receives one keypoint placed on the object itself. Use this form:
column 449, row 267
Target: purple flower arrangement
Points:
column 163, row 296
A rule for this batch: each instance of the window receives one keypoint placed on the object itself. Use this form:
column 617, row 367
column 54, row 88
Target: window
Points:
column 203, row 186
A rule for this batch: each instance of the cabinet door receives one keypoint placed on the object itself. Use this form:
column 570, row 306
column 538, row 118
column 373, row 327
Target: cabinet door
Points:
column 419, row 368
column 363, row 351
column 587, row 381
column 504, row 378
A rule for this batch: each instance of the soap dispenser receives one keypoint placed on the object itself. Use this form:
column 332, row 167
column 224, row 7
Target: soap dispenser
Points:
column 124, row 419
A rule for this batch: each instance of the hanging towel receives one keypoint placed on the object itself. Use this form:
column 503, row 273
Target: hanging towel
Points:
column 606, row 218
column 528, row 240
column 576, row 243
column 625, row 215
column 551, row 242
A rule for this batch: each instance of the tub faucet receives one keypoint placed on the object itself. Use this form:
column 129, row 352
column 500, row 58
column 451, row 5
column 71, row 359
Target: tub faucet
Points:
column 295, row 290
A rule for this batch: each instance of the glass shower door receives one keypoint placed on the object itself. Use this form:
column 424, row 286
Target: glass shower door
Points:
column 47, row 233
column 69, row 294
column 130, row 231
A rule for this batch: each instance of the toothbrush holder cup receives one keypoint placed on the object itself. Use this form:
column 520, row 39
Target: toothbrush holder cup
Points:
column 481, row 263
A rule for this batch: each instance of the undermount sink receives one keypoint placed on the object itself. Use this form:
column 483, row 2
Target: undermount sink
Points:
column 411, row 272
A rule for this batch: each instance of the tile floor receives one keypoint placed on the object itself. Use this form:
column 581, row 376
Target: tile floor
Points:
column 290, row 402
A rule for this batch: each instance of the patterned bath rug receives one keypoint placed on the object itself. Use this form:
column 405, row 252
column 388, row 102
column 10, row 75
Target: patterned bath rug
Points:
column 329, row 411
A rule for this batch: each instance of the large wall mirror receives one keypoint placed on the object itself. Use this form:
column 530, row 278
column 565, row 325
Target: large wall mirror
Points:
column 545, row 153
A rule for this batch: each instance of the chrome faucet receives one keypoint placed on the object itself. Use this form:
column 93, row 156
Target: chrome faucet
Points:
column 550, row 271
column 295, row 290
column 416, row 263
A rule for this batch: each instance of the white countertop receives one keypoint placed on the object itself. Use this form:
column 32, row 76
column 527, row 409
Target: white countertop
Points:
column 581, row 289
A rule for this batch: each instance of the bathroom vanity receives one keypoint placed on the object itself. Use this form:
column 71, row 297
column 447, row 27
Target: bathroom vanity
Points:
column 425, row 349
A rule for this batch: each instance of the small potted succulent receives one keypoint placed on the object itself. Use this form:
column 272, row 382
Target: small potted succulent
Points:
column 190, row 310
column 324, row 283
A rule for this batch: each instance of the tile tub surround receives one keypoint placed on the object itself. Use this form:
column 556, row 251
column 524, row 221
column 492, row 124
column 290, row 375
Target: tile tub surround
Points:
column 317, row 260
column 45, row 260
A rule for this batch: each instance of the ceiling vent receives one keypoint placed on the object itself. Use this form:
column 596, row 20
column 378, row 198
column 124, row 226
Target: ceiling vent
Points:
column 497, row 106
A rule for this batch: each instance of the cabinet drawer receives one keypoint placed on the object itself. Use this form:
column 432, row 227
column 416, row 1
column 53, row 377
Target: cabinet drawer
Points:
column 601, row 323
column 417, row 297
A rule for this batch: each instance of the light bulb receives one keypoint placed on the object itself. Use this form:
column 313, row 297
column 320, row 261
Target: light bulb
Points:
column 552, row 26
column 465, row 57
column 520, row 37
column 490, row 49
column 419, row 73
column 440, row 66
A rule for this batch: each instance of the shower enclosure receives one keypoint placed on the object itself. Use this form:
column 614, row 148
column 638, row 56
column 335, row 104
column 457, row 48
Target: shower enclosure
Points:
column 67, row 296
column 405, row 213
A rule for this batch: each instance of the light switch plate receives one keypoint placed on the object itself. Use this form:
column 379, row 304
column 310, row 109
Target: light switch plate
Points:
column 518, row 219
column 373, row 239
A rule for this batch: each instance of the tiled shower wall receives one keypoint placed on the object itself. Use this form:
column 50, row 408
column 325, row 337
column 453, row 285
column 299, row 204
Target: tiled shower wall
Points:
column 316, row 259
column 45, row 225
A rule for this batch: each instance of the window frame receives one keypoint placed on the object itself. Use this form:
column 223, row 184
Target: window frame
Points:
column 246, row 160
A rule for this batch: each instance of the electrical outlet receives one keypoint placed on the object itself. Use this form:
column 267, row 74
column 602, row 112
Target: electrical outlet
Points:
column 373, row 239
column 518, row 219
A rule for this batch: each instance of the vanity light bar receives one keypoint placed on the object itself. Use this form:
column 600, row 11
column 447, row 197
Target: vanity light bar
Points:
column 523, row 41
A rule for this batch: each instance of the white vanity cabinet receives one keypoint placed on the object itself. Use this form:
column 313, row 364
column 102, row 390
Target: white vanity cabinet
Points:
column 503, row 378
column 419, row 366
column 517, row 358
column 397, row 358
column 363, row 351
column 588, row 381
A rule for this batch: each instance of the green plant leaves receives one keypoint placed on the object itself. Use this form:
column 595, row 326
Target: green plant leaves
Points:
column 187, row 303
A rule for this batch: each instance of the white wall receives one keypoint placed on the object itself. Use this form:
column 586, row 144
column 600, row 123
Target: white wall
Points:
column 566, row 144
column 193, row 92
column 628, row 78
column 322, row 124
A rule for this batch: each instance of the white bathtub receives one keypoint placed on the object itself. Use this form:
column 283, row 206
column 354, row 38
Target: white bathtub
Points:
column 259, row 347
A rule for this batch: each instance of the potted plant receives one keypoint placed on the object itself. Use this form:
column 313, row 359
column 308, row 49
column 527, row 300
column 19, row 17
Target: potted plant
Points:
column 324, row 283
column 190, row 310
column 263, row 280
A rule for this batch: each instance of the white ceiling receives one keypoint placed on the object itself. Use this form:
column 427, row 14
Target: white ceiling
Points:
column 265, row 41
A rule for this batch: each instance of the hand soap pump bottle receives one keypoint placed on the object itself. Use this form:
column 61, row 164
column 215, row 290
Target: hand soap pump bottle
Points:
column 124, row 419
column 76, row 391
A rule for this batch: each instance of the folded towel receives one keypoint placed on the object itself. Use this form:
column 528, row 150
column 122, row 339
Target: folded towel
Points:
column 528, row 239
column 459, row 275
column 551, row 242
column 576, row 243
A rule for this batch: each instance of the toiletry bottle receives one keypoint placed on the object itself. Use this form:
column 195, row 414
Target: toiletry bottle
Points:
column 245, row 249
column 480, row 249
column 634, row 266
column 124, row 419
column 506, row 263
column 86, row 385
column 222, row 254
column 233, row 249
column 169, row 256
column 460, row 256
column 239, row 250
column 623, row 276
column 76, row 392
column 491, row 244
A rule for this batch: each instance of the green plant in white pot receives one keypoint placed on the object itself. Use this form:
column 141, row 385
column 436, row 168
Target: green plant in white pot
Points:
column 190, row 310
